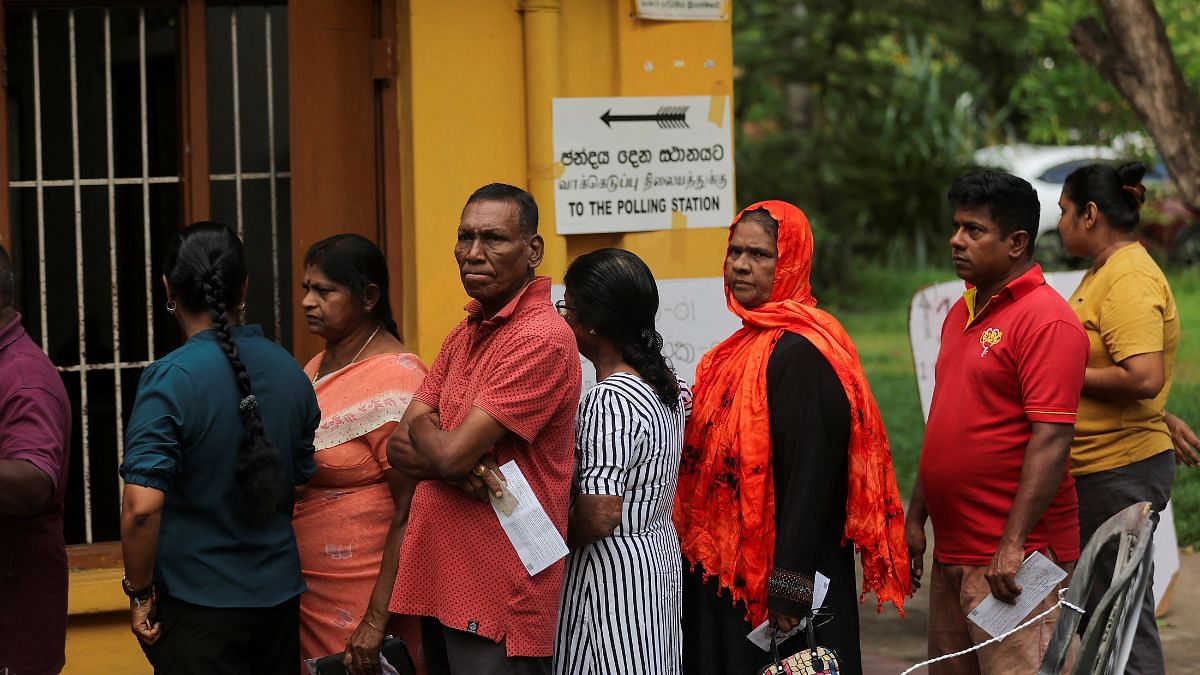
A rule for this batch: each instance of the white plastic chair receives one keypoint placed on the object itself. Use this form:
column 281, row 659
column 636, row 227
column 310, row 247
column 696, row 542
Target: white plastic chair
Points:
column 1105, row 645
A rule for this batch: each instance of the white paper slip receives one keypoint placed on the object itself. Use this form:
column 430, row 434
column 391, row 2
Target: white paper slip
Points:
column 529, row 528
column 761, row 635
column 1037, row 578
column 820, row 588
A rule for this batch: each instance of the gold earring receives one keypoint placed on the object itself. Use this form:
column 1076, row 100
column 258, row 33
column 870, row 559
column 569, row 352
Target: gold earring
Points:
column 171, row 306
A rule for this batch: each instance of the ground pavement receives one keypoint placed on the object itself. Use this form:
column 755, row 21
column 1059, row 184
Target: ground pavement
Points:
column 891, row 644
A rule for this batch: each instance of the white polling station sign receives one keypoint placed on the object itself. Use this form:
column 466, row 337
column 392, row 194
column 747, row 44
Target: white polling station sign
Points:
column 926, row 315
column 630, row 164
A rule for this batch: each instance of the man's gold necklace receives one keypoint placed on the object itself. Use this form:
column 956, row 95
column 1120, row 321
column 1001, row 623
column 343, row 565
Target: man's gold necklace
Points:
column 317, row 375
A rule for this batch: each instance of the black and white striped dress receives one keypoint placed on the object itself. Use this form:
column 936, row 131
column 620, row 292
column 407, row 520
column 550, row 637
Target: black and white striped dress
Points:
column 621, row 599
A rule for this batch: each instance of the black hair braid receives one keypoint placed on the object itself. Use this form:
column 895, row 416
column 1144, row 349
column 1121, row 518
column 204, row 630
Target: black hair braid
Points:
column 389, row 324
column 258, row 465
column 644, row 355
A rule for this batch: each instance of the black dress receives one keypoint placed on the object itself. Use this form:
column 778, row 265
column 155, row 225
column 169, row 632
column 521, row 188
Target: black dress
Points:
column 810, row 434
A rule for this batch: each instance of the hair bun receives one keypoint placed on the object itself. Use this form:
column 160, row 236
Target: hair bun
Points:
column 1138, row 191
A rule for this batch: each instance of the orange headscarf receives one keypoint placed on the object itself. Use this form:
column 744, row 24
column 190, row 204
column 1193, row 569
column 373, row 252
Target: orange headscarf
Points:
column 725, row 502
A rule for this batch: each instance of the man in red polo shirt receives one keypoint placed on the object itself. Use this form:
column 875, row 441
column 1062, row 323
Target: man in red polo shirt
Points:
column 35, row 444
column 993, row 475
column 505, row 386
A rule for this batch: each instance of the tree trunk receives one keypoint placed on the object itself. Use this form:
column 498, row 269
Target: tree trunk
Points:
column 1135, row 56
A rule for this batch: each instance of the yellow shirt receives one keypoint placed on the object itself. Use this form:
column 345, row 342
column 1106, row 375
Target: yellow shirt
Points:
column 1127, row 309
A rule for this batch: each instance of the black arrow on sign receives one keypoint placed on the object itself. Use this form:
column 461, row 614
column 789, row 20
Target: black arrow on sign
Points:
column 668, row 117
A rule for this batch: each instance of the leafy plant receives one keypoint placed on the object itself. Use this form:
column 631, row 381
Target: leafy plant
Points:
column 862, row 117
column 863, row 113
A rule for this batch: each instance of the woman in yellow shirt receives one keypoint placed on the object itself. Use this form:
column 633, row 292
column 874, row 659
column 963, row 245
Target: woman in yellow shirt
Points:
column 1123, row 451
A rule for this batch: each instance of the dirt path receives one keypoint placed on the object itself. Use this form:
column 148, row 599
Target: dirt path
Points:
column 891, row 644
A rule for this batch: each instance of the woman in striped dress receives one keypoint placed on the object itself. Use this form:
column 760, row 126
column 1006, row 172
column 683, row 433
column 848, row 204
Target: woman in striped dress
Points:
column 621, row 600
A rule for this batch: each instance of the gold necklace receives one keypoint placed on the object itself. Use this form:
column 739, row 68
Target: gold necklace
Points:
column 317, row 375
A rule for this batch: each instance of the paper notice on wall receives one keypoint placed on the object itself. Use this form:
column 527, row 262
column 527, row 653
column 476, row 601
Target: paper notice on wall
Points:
column 1038, row 577
column 692, row 319
column 683, row 10
column 532, row 533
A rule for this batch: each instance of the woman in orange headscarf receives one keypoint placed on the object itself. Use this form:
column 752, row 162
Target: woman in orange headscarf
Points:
column 786, row 467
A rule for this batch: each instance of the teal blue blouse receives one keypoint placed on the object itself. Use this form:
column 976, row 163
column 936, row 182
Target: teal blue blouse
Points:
column 183, row 439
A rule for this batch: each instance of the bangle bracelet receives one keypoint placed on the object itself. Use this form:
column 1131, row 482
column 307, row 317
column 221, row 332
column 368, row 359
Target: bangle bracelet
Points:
column 368, row 622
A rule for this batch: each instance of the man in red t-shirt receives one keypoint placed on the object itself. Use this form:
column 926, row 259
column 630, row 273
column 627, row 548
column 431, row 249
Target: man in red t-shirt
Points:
column 505, row 386
column 993, row 475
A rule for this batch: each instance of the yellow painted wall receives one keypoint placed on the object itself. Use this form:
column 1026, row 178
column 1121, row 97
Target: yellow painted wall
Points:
column 465, row 117
column 462, row 120
column 98, row 635
column 466, row 100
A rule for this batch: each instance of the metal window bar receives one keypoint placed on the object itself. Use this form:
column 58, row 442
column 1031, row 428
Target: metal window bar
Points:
column 41, row 196
column 70, row 182
column 271, row 172
column 237, row 120
column 80, row 306
column 112, row 245
column 145, row 186
column 250, row 175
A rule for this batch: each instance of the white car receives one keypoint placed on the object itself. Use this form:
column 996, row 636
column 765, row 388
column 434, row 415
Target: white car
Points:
column 1045, row 167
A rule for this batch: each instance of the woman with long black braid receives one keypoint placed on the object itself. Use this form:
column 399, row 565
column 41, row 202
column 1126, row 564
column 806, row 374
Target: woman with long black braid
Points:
column 221, row 433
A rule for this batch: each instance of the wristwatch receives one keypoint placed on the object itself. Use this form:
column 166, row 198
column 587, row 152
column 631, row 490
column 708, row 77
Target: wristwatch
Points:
column 137, row 595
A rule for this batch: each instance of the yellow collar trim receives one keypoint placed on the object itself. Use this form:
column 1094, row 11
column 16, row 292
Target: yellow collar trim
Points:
column 969, row 296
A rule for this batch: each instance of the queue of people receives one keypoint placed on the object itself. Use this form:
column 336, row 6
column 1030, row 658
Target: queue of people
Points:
column 274, row 515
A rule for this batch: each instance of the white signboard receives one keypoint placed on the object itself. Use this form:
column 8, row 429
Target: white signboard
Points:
column 629, row 164
column 927, row 313
column 692, row 318
column 682, row 10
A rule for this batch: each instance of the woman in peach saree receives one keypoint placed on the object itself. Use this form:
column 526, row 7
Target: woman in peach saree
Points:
column 349, row 520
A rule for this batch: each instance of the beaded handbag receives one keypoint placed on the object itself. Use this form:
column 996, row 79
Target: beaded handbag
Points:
column 812, row 660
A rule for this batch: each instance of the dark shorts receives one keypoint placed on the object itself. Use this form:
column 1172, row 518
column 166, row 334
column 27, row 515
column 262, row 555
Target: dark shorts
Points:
column 1104, row 494
column 226, row 640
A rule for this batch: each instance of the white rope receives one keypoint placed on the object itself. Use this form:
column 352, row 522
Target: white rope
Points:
column 1061, row 603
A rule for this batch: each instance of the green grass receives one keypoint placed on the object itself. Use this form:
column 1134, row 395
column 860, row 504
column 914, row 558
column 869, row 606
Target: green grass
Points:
column 874, row 308
column 1185, row 401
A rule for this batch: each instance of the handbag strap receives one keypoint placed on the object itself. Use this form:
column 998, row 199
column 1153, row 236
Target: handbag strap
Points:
column 812, row 637
column 775, row 660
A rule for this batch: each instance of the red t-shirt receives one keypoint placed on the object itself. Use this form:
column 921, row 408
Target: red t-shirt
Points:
column 456, row 564
column 1019, row 360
